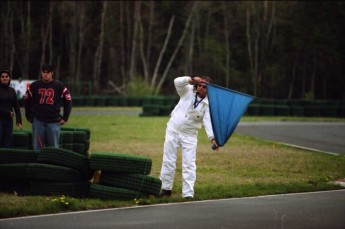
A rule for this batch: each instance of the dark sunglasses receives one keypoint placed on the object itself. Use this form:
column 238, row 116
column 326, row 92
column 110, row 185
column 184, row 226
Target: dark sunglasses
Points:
column 199, row 85
column 5, row 76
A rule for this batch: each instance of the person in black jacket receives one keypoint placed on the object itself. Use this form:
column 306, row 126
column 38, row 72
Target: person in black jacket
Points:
column 8, row 103
column 42, row 101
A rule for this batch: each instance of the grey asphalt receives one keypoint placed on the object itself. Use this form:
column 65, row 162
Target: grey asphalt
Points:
column 326, row 137
column 301, row 210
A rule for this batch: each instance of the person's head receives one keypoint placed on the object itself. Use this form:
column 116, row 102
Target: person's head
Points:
column 47, row 73
column 5, row 77
column 201, row 88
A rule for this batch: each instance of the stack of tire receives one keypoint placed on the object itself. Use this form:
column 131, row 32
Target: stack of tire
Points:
column 158, row 105
column 59, row 172
column 122, row 176
column 68, row 170
column 75, row 139
column 52, row 171
column 13, row 165
column 22, row 139
column 71, row 138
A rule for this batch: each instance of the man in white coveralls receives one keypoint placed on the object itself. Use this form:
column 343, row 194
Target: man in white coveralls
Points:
column 182, row 130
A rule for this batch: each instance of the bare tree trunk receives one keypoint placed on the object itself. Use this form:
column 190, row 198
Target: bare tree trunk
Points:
column 259, row 35
column 25, row 34
column 149, row 38
column 312, row 82
column 141, row 49
column 304, row 70
column 130, row 29
column 256, row 57
column 99, row 52
column 44, row 36
column 9, row 31
column 227, row 47
column 28, row 41
column 172, row 58
column 266, row 25
column 80, row 43
column 123, row 57
column 155, row 73
column 133, row 64
column 270, row 34
column 250, row 52
column 146, row 54
column 292, row 81
column 189, row 59
column 198, row 33
column 73, row 38
column 12, row 45
column 207, row 28
column 51, row 48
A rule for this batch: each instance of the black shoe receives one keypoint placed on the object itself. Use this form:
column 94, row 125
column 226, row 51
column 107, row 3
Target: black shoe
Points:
column 163, row 193
column 188, row 198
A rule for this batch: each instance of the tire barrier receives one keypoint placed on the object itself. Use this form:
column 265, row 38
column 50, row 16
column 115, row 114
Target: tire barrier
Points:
column 145, row 184
column 13, row 155
column 122, row 163
column 123, row 176
column 13, row 172
column 40, row 171
column 22, row 139
column 71, row 138
column 113, row 193
column 293, row 107
column 63, row 157
column 69, row 170
column 74, row 189
column 75, row 139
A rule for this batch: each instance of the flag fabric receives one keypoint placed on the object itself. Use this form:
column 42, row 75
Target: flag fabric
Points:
column 226, row 109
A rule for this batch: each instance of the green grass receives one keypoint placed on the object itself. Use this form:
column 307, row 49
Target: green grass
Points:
column 244, row 167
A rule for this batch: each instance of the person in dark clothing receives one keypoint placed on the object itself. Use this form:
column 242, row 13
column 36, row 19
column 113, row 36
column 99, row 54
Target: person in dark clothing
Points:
column 8, row 103
column 42, row 101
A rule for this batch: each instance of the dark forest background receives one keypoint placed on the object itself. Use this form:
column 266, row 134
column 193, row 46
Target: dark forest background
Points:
column 269, row 49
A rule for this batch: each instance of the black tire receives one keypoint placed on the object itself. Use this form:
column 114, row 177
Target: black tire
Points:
column 79, row 136
column 64, row 157
column 112, row 193
column 12, row 155
column 39, row 171
column 122, row 163
column 86, row 130
column 73, row 189
column 13, row 172
column 67, row 146
column 21, row 139
column 79, row 148
column 137, row 182
column 66, row 137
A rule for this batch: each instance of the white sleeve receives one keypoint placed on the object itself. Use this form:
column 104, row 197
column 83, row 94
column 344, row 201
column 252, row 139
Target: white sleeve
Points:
column 182, row 85
column 208, row 124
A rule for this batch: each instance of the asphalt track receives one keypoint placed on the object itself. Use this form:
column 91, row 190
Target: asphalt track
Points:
column 328, row 137
column 304, row 210
column 301, row 210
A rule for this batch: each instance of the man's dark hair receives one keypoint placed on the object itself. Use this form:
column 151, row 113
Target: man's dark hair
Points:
column 206, row 78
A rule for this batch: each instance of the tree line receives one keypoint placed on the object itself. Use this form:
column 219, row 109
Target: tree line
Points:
column 269, row 49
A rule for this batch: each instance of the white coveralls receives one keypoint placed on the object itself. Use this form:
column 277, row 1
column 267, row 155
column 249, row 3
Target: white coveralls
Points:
column 182, row 130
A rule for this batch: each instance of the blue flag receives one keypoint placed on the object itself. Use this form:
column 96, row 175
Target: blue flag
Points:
column 226, row 109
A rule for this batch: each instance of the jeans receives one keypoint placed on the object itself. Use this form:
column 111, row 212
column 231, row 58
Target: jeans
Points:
column 6, row 128
column 45, row 134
